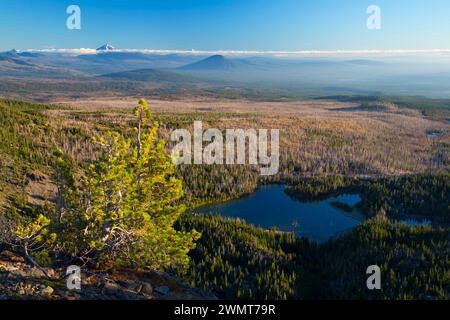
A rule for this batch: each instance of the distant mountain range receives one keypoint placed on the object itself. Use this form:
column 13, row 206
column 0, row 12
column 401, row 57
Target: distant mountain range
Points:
column 109, row 64
column 108, row 61
column 26, row 64
column 17, row 54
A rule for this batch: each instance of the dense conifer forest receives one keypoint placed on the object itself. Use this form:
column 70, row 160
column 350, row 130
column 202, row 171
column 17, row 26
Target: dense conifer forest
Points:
column 238, row 260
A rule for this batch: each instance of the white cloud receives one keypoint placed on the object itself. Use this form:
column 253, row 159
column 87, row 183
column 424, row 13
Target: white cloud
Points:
column 286, row 54
column 65, row 51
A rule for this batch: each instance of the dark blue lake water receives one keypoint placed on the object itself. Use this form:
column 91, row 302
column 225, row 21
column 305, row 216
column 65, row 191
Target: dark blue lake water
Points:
column 270, row 207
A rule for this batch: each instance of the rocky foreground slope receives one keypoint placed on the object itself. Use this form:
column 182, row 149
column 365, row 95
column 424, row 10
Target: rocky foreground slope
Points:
column 18, row 280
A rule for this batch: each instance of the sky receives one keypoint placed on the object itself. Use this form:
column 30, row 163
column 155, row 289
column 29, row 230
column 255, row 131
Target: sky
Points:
column 260, row 25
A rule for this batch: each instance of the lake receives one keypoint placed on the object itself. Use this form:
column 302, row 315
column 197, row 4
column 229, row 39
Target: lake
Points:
column 271, row 207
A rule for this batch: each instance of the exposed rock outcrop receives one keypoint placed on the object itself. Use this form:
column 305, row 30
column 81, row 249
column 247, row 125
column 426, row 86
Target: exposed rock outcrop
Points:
column 18, row 280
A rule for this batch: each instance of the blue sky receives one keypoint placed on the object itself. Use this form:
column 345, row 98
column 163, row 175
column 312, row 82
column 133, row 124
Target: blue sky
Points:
column 285, row 25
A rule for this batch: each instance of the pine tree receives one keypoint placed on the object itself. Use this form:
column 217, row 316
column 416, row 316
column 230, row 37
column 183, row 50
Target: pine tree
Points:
column 130, row 200
column 122, row 213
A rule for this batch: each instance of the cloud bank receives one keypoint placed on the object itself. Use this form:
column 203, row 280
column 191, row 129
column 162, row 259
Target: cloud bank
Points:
column 287, row 54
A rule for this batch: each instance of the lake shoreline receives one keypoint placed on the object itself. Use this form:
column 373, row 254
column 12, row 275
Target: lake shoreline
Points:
column 271, row 207
column 317, row 220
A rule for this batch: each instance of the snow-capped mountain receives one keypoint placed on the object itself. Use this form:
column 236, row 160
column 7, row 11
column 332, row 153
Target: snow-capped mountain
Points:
column 106, row 47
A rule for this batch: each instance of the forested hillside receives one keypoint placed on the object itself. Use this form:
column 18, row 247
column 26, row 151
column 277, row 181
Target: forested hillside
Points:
column 45, row 150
